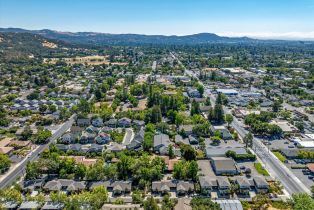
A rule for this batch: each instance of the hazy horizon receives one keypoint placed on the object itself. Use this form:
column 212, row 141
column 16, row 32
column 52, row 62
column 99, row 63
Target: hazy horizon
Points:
column 281, row 19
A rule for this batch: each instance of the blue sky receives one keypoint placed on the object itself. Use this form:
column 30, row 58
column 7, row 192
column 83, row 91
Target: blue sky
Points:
column 255, row 18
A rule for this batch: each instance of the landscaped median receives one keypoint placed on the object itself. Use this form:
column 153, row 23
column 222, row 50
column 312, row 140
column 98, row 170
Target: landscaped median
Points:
column 280, row 156
column 260, row 169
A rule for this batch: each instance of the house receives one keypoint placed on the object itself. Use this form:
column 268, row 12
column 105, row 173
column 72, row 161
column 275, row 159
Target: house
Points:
column 261, row 185
column 192, row 139
column 98, row 122
column 112, row 123
column 19, row 144
column 67, row 138
column 223, row 185
column 184, row 187
column 193, row 92
column 75, row 147
column 6, row 150
column 224, row 132
column 127, row 206
column 227, row 92
column 53, row 206
column 188, row 129
column 205, row 108
column 63, row 147
column 229, row 204
column 220, row 151
column 76, row 130
column 115, row 147
column 285, row 126
column 137, row 141
column 103, row 138
column 87, row 138
column 207, row 184
column 64, row 185
column 244, row 185
column 224, row 166
column 120, row 187
column 124, row 122
column 138, row 123
column 95, row 148
column 9, row 205
column 164, row 186
column 29, row 205
column 161, row 143
column 83, row 122
column 178, row 139
column 92, row 129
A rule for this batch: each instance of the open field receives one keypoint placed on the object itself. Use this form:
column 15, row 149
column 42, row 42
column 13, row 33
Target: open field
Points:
column 87, row 60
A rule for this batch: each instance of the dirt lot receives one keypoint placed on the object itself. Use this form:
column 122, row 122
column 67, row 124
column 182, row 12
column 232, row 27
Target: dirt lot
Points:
column 89, row 60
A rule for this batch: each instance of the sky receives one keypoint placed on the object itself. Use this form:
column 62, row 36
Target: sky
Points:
column 285, row 19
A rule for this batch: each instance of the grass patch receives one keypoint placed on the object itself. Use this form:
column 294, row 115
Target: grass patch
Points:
column 280, row 156
column 260, row 169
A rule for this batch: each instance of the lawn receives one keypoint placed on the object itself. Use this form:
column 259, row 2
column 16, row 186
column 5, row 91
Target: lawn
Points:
column 280, row 156
column 260, row 169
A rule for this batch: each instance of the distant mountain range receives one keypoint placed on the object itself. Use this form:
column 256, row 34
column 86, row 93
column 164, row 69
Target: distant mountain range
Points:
column 101, row 39
column 128, row 39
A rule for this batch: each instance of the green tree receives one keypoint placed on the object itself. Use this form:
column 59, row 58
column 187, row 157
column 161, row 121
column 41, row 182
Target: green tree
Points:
column 151, row 204
column 302, row 201
column 5, row 163
column 228, row 119
column 248, row 140
column 188, row 152
column 171, row 152
column 195, row 108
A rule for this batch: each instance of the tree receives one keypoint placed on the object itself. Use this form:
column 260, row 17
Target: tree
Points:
column 195, row 108
column 200, row 89
column 42, row 136
column 11, row 195
column 171, row 152
column 43, row 108
column 218, row 113
column 276, row 106
column 203, row 204
column 229, row 119
column 5, row 163
column 248, row 140
column 156, row 114
column 27, row 133
column 188, row 152
column 151, row 204
column 260, row 202
column 192, row 170
column 52, row 108
column 302, row 201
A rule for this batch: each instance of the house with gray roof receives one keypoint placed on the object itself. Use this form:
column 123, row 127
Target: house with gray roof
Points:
column 224, row 166
column 207, row 184
column 29, row 205
column 137, row 141
column 244, row 185
column 164, row 186
column 223, row 185
column 161, row 143
column 184, row 187
column 52, row 206
column 261, row 185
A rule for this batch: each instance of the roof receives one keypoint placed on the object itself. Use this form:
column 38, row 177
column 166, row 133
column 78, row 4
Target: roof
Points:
column 6, row 150
column 224, row 164
column 185, row 186
column 29, row 205
column 310, row 166
column 19, row 143
column 52, row 205
column 229, row 204
column 5, row 142
column 260, row 181
column 163, row 185
column 161, row 139
column 223, row 181
column 242, row 181
column 284, row 125
column 221, row 151
column 227, row 91
column 207, row 181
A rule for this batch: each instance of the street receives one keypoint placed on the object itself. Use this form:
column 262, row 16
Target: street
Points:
column 17, row 172
column 276, row 168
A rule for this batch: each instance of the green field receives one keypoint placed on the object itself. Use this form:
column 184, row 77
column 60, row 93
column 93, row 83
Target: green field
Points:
column 260, row 169
column 280, row 156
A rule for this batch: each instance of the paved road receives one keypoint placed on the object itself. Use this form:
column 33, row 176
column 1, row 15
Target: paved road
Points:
column 17, row 172
column 276, row 168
